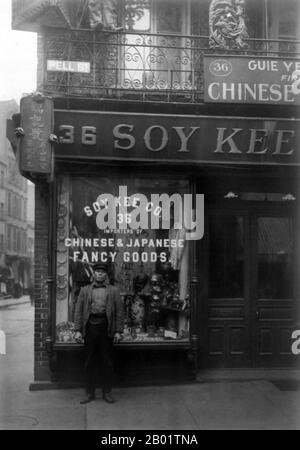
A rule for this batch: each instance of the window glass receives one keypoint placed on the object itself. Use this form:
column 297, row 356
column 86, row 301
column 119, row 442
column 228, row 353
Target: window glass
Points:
column 148, row 264
column 170, row 16
column 226, row 265
column 137, row 15
column 283, row 22
column 275, row 268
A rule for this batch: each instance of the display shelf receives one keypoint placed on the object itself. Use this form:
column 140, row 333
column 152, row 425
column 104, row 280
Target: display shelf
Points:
column 164, row 344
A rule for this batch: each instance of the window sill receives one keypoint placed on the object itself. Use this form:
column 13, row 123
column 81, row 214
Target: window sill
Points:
column 183, row 344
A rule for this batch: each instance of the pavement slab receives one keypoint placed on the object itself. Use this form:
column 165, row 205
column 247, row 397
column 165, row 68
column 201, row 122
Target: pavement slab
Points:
column 230, row 400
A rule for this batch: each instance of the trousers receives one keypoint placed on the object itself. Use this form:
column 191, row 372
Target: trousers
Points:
column 98, row 352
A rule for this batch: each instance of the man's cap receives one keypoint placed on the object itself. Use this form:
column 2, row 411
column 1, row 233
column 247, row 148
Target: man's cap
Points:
column 100, row 266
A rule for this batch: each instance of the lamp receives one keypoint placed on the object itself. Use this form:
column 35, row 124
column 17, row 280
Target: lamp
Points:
column 230, row 195
column 288, row 198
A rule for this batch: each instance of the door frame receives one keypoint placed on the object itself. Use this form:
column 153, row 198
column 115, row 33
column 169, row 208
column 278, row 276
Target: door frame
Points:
column 250, row 210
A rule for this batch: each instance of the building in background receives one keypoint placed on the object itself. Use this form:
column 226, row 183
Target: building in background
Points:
column 190, row 97
column 16, row 204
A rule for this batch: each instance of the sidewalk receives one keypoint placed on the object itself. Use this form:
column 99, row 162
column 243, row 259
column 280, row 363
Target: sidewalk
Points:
column 222, row 405
column 4, row 303
column 223, row 399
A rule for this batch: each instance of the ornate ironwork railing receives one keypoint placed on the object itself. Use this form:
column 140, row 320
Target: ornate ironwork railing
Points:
column 131, row 65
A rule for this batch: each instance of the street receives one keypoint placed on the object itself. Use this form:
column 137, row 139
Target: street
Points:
column 228, row 404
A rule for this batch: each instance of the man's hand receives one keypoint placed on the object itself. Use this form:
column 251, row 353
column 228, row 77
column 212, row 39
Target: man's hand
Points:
column 78, row 336
column 117, row 338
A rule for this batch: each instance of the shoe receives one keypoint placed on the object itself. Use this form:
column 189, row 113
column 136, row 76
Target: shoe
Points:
column 108, row 398
column 89, row 398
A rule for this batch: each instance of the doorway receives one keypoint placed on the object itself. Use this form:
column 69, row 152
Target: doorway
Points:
column 251, row 309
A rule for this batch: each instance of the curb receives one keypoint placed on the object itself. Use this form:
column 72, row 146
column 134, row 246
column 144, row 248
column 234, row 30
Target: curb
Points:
column 14, row 302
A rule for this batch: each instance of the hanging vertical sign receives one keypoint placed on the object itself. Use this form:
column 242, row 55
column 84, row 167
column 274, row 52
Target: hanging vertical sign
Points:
column 35, row 149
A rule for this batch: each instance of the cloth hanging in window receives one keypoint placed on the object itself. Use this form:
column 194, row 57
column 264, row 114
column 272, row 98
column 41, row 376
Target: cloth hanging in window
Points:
column 103, row 13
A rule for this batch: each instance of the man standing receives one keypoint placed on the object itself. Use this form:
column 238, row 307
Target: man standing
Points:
column 99, row 319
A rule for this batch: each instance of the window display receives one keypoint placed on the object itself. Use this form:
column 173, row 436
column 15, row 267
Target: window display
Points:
column 136, row 226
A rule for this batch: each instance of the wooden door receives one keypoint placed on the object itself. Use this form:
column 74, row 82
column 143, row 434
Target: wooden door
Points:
column 251, row 302
column 273, row 290
column 228, row 309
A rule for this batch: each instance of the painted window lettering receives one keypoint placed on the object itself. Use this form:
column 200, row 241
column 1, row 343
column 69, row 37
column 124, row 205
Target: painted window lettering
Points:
column 154, row 214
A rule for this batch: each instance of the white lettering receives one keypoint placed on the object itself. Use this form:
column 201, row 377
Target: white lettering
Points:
column 124, row 136
column 229, row 140
column 211, row 90
column 164, row 138
column 68, row 137
column 184, row 139
column 88, row 135
column 254, row 139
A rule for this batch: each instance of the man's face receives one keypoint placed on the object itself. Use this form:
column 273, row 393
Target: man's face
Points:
column 100, row 275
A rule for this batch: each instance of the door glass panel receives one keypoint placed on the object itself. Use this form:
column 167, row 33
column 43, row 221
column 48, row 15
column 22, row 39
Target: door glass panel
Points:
column 226, row 267
column 275, row 269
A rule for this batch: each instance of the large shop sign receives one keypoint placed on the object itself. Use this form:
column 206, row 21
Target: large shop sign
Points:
column 174, row 138
column 262, row 80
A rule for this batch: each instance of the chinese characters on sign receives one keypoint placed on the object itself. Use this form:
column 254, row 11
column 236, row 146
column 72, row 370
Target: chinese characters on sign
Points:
column 238, row 79
column 35, row 153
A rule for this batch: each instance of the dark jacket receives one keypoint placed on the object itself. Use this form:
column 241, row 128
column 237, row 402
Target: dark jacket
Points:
column 114, row 310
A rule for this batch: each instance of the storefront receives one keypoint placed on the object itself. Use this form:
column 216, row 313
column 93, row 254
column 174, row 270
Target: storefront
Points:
column 186, row 118
column 223, row 294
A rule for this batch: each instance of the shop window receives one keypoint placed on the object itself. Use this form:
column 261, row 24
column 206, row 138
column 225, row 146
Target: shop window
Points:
column 226, row 264
column 275, row 265
column 149, row 264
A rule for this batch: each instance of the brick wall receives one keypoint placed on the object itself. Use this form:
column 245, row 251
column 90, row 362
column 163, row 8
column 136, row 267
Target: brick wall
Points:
column 41, row 298
column 78, row 46
column 40, row 61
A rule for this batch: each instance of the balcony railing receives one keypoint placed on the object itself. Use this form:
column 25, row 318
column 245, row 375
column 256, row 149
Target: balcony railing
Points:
column 131, row 65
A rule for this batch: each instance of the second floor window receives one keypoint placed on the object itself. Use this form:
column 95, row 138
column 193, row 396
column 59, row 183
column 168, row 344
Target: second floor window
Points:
column 9, row 238
column 164, row 58
column 2, row 211
column 2, row 178
column 9, row 204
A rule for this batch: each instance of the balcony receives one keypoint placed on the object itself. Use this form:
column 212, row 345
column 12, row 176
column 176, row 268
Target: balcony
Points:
column 142, row 67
